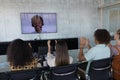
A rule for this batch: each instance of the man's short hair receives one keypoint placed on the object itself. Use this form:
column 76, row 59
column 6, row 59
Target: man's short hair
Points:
column 102, row 36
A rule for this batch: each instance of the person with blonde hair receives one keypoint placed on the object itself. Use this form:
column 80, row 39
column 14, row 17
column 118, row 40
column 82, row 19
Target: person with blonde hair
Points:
column 116, row 56
column 61, row 57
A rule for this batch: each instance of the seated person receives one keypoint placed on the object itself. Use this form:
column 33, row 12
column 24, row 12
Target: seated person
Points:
column 61, row 57
column 100, row 51
column 19, row 55
column 116, row 56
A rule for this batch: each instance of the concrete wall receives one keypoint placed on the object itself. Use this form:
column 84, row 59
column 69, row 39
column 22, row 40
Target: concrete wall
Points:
column 75, row 18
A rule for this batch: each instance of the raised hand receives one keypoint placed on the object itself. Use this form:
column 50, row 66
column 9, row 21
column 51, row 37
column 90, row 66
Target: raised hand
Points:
column 88, row 44
column 82, row 42
column 49, row 46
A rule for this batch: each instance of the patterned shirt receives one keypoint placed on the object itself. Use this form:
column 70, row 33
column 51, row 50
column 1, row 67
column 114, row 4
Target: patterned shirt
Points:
column 31, row 65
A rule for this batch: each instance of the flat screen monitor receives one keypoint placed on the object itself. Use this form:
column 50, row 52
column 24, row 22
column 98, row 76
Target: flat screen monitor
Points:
column 33, row 23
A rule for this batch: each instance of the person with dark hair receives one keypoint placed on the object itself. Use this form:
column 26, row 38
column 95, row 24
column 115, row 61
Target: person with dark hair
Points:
column 19, row 55
column 37, row 22
column 100, row 51
column 116, row 56
column 61, row 57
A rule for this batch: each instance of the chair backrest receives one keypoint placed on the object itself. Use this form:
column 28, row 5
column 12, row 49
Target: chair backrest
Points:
column 100, row 69
column 82, row 67
column 20, row 75
column 68, row 72
column 3, row 76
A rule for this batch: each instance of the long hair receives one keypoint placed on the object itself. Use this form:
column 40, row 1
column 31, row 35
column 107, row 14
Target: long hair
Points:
column 19, row 53
column 62, row 56
column 102, row 36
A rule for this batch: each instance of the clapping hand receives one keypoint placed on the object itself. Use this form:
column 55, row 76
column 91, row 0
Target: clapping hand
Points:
column 82, row 42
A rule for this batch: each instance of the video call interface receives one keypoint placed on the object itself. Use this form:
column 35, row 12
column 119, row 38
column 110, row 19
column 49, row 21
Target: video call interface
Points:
column 33, row 23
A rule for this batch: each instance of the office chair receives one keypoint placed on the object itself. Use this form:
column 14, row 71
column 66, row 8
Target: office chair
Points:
column 68, row 72
column 98, row 70
column 3, row 76
column 83, row 70
column 20, row 75
column 101, row 69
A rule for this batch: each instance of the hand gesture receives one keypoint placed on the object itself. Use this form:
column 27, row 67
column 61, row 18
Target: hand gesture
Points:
column 82, row 42
column 29, row 44
column 49, row 46
column 87, row 42
column 48, row 43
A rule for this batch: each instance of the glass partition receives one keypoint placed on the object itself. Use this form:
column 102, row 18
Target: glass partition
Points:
column 110, row 1
column 111, row 15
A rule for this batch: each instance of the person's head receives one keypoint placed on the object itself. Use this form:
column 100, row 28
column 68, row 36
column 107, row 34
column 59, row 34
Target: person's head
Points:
column 37, row 23
column 117, row 35
column 19, row 53
column 62, row 56
column 102, row 36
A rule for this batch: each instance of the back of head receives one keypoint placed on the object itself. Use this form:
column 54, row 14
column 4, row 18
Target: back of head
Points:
column 19, row 53
column 62, row 56
column 102, row 36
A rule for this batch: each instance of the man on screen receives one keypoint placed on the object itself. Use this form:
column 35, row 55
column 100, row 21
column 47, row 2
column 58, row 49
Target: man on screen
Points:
column 37, row 22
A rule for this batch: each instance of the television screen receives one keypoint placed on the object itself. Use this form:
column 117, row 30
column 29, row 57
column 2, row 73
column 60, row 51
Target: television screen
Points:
column 32, row 23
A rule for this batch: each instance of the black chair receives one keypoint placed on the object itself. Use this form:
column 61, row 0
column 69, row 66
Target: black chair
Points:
column 3, row 76
column 97, row 69
column 100, row 69
column 21, row 75
column 68, row 72
column 83, row 70
column 45, row 73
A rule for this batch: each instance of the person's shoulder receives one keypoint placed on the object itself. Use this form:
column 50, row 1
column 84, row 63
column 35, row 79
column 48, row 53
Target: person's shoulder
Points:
column 44, row 31
column 34, row 32
column 92, row 50
column 99, row 46
column 115, row 48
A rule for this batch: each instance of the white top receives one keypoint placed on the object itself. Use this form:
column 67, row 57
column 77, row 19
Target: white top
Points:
column 51, row 60
column 100, row 51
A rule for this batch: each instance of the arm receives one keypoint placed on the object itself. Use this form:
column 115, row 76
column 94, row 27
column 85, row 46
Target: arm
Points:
column 49, row 49
column 49, row 46
column 88, row 44
column 82, row 44
column 50, row 58
column 114, row 50
column 81, row 55
column 30, row 45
